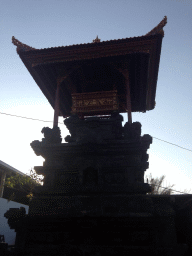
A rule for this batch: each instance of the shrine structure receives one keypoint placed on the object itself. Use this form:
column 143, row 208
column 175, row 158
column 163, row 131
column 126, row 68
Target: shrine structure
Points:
column 93, row 201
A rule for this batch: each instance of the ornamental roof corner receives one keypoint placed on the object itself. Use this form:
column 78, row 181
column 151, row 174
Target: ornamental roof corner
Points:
column 159, row 28
column 73, row 64
column 21, row 46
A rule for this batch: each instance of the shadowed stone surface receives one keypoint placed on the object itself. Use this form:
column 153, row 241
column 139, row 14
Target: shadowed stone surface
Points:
column 93, row 201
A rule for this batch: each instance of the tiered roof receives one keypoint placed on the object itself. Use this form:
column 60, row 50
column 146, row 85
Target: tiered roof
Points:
column 98, row 66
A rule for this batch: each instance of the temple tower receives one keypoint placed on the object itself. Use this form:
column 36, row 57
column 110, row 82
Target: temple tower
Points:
column 93, row 201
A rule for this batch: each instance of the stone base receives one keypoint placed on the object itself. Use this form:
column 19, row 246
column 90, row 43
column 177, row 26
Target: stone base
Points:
column 94, row 200
column 116, row 205
column 99, row 226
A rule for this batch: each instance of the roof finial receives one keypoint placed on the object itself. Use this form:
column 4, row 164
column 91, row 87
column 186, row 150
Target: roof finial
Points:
column 21, row 46
column 159, row 28
column 96, row 40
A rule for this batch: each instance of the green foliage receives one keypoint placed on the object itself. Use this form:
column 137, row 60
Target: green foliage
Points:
column 24, row 183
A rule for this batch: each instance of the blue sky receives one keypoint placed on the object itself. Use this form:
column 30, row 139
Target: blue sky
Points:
column 51, row 23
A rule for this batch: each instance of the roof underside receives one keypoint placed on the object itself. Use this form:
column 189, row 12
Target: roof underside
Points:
column 97, row 67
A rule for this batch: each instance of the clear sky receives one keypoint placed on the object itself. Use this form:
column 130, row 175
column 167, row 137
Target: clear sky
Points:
column 52, row 23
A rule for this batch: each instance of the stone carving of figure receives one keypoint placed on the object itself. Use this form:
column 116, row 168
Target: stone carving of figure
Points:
column 51, row 135
column 117, row 126
column 132, row 131
column 72, row 123
column 81, row 131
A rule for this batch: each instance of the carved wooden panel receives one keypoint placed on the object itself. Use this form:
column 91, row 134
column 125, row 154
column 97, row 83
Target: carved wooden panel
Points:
column 94, row 102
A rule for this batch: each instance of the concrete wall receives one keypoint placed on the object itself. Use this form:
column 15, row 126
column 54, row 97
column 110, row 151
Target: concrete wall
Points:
column 5, row 230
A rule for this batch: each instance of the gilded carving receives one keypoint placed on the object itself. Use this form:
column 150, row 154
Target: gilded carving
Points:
column 94, row 101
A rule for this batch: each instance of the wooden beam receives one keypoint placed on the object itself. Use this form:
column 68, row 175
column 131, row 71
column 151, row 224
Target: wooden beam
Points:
column 57, row 108
column 2, row 183
column 125, row 73
column 128, row 98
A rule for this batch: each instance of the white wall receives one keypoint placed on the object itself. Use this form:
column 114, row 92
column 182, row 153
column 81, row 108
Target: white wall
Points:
column 5, row 230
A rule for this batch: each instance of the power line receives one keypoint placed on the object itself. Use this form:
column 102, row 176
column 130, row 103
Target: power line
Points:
column 29, row 118
column 34, row 119
column 169, row 189
column 173, row 144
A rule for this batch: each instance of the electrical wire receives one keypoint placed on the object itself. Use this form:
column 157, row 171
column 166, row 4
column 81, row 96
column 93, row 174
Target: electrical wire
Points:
column 173, row 144
column 170, row 189
column 62, row 123
column 34, row 119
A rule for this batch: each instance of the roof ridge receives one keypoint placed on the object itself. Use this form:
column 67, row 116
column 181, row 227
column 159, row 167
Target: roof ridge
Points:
column 156, row 30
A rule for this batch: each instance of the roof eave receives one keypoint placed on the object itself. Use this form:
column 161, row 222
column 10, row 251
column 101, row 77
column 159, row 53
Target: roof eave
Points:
column 154, row 66
column 9, row 169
